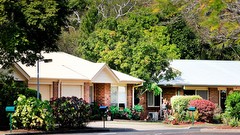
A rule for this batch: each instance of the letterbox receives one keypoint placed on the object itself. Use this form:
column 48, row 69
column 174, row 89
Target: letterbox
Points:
column 192, row 108
column 103, row 108
column 10, row 109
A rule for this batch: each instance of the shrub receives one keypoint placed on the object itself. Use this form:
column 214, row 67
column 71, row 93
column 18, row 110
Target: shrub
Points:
column 10, row 89
column 114, row 110
column 136, row 112
column 233, row 105
column 95, row 113
column 205, row 109
column 32, row 113
column 180, row 103
column 126, row 113
column 71, row 112
column 225, row 118
column 217, row 117
column 234, row 122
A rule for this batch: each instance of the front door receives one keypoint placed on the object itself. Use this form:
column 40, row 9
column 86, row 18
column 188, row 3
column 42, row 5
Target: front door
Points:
column 222, row 99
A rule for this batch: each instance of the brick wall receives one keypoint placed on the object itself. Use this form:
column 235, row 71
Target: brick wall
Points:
column 86, row 92
column 169, row 92
column 102, row 93
column 214, row 95
column 129, row 95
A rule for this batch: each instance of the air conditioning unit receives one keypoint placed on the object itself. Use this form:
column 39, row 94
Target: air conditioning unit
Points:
column 153, row 116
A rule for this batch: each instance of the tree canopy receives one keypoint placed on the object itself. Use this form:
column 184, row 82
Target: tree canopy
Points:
column 217, row 22
column 29, row 27
column 136, row 45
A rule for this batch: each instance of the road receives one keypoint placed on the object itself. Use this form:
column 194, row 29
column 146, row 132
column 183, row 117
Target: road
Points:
column 158, row 132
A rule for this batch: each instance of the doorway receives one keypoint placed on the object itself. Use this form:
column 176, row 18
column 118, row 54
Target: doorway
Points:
column 223, row 95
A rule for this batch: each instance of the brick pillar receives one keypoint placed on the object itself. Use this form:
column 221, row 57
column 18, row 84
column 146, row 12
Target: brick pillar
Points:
column 103, row 93
column 55, row 90
column 87, row 92
column 129, row 95
column 214, row 95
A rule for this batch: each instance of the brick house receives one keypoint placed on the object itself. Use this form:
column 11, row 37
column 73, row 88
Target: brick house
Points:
column 211, row 79
column 68, row 75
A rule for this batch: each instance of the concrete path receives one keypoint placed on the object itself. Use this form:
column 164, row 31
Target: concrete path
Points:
column 134, row 125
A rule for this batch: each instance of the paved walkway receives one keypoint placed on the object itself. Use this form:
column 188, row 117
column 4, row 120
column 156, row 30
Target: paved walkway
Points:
column 133, row 125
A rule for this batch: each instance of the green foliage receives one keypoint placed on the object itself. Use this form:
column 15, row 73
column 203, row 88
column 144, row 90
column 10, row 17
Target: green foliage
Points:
column 28, row 27
column 233, row 105
column 138, row 108
column 32, row 113
column 180, row 103
column 225, row 117
column 217, row 116
column 231, row 115
column 95, row 113
column 71, row 112
column 234, row 122
column 10, row 90
column 187, row 41
column 126, row 113
column 114, row 110
column 205, row 108
column 215, row 22
column 136, row 45
column 137, row 111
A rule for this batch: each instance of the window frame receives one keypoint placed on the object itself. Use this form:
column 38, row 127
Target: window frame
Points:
column 118, row 94
column 147, row 94
column 196, row 92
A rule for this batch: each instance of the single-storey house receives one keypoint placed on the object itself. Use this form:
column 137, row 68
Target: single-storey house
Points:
column 68, row 75
column 211, row 79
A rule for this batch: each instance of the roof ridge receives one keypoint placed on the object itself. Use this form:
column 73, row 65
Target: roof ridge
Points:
column 74, row 71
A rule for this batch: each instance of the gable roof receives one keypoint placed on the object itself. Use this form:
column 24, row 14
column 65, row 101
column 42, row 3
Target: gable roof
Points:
column 205, row 73
column 66, row 66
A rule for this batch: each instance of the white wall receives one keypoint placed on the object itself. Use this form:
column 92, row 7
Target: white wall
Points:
column 44, row 89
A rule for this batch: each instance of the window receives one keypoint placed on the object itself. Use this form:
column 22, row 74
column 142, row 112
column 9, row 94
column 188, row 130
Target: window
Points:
column 189, row 92
column 114, row 95
column 152, row 100
column 118, row 96
column 91, row 94
column 201, row 93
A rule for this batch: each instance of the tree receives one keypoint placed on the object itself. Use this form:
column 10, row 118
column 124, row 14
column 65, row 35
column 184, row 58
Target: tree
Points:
column 87, row 14
column 10, row 89
column 216, row 22
column 135, row 45
column 29, row 27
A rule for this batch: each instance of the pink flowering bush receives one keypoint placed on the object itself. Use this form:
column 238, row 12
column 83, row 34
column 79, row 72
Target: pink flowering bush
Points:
column 205, row 109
